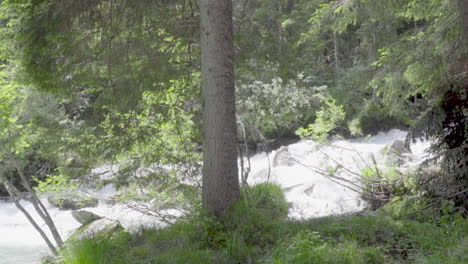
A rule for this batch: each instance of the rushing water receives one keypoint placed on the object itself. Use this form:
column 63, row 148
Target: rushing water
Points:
column 20, row 243
column 302, row 169
column 298, row 168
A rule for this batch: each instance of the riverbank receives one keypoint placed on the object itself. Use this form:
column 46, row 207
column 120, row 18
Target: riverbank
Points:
column 298, row 169
column 258, row 231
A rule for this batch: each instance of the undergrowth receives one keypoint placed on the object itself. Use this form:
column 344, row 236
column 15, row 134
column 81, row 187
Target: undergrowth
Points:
column 257, row 231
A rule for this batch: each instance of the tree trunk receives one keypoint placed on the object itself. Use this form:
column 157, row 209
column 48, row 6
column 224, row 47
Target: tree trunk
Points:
column 463, row 9
column 336, row 50
column 15, row 195
column 220, row 175
column 39, row 207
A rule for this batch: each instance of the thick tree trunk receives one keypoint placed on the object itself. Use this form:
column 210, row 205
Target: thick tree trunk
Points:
column 220, row 175
column 463, row 9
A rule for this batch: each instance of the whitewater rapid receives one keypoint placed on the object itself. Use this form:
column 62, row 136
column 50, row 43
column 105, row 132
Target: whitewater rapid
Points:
column 294, row 167
column 303, row 171
column 20, row 243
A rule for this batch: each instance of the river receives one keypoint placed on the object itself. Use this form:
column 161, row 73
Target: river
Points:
column 295, row 168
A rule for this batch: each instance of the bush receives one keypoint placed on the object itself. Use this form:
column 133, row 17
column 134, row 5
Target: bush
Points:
column 375, row 118
column 54, row 183
column 96, row 250
column 259, row 207
column 329, row 118
column 275, row 108
column 254, row 223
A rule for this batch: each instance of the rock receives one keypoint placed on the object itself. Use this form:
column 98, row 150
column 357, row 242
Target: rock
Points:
column 282, row 142
column 398, row 147
column 282, row 157
column 397, row 153
column 85, row 217
column 72, row 200
column 101, row 227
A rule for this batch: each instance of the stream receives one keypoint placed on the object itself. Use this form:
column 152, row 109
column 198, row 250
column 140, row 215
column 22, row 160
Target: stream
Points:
column 300, row 169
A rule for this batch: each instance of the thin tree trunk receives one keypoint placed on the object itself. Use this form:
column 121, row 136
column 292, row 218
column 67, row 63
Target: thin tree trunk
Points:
column 16, row 196
column 39, row 207
column 37, row 204
column 336, row 50
column 37, row 227
column 220, row 172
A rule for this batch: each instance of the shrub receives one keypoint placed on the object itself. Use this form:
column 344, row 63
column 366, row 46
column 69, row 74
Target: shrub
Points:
column 375, row 118
column 96, row 250
column 54, row 183
column 329, row 118
column 275, row 108
column 254, row 223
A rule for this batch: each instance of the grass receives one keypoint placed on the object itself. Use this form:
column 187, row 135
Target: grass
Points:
column 258, row 231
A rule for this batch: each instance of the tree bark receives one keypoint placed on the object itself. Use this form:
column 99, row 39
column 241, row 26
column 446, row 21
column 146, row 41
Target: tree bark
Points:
column 220, row 172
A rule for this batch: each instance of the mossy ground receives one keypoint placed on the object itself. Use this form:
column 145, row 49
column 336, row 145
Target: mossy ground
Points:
column 257, row 231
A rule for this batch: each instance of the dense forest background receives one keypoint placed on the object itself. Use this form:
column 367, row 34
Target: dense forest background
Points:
column 87, row 82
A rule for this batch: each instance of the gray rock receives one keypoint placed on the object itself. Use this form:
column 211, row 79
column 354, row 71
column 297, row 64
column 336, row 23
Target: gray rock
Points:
column 282, row 157
column 72, row 200
column 85, row 217
column 398, row 147
column 101, row 227
column 397, row 153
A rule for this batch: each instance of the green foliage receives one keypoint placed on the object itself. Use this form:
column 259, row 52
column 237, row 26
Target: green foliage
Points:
column 382, row 238
column 309, row 247
column 126, row 90
column 381, row 186
column 456, row 253
column 275, row 108
column 253, row 224
column 400, row 239
column 404, row 207
column 374, row 118
column 329, row 117
column 115, row 106
column 257, row 217
column 97, row 250
column 54, row 183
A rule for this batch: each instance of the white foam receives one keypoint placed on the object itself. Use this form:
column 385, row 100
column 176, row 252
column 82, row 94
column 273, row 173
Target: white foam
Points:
column 20, row 243
column 313, row 194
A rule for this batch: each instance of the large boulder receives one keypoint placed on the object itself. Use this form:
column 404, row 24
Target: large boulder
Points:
column 101, row 227
column 85, row 217
column 72, row 200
